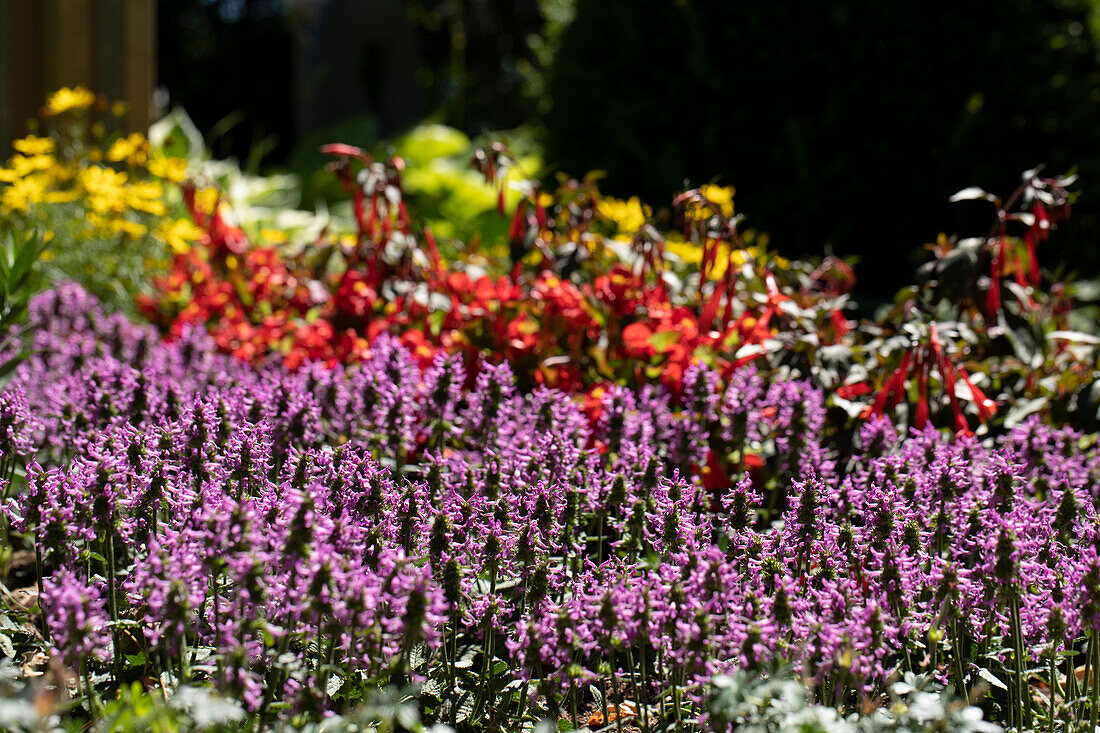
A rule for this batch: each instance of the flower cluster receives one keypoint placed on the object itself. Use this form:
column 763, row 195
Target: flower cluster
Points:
column 582, row 269
column 108, row 200
column 297, row 537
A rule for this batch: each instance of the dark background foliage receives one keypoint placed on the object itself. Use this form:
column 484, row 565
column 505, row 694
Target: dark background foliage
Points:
column 228, row 63
column 843, row 125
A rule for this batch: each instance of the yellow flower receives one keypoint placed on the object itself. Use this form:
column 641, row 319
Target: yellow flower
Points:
column 65, row 99
column 273, row 236
column 692, row 255
column 117, row 225
column 629, row 216
column 720, row 196
column 106, row 189
column 179, row 234
column 32, row 145
column 134, row 149
column 24, row 165
column 170, row 169
column 23, row 193
column 130, row 228
column 60, row 174
column 146, row 196
column 61, row 197
column 206, row 200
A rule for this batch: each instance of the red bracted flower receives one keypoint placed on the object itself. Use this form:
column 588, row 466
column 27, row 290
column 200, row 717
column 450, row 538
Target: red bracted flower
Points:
column 921, row 418
column 947, row 374
column 896, row 384
column 345, row 151
column 714, row 476
column 986, row 407
column 1038, row 232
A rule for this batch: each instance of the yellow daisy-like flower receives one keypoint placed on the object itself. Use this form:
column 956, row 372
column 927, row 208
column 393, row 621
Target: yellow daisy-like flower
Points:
column 721, row 196
column 179, row 234
column 129, row 228
column 170, row 169
column 106, row 189
column 146, row 196
column 692, row 254
column 23, row 193
column 134, row 149
column 33, row 145
column 629, row 216
column 65, row 99
column 24, row 165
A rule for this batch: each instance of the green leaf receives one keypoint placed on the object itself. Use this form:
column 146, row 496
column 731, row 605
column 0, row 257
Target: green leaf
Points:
column 425, row 143
column 662, row 341
column 989, row 677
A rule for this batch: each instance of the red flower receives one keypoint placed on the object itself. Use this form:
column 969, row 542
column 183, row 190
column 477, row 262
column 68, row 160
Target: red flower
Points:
column 714, row 476
column 636, row 340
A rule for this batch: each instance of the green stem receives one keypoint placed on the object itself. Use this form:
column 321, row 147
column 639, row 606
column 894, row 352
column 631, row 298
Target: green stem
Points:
column 454, row 670
column 676, row 704
column 599, row 541
column 112, row 603
column 486, row 666
column 185, row 671
column 1088, row 672
column 1020, row 704
column 1053, row 683
column 633, row 676
column 41, row 591
column 94, row 706
column 573, row 705
column 615, row 698
column 1094, row 652
column 5, row 535
column 661, row 697
column 1071, row 695
column 934, row 652
column 522, row 702
column 960, row 670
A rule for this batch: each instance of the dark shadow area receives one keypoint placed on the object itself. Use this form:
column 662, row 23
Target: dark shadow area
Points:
column 846, row 123
column 843, row 125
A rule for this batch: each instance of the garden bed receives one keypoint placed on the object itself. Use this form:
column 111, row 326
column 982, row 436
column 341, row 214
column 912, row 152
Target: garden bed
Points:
column 611, row 467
